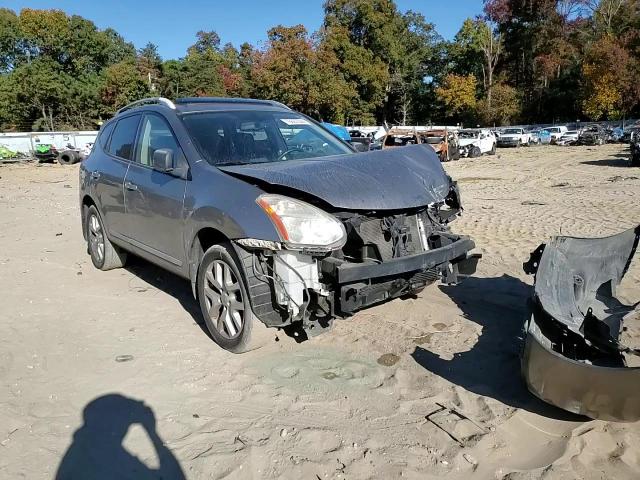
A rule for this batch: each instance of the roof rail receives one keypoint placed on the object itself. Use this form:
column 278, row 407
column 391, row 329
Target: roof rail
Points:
column 148, row 101
column 230, row 100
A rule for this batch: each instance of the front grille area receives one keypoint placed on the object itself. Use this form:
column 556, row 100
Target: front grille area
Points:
column 383, row 238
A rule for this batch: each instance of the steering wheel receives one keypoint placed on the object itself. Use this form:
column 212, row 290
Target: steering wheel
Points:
column 287, row 152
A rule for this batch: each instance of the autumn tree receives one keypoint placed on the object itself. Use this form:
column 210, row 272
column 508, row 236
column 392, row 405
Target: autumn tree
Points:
column 610, row 76
column 458, row 94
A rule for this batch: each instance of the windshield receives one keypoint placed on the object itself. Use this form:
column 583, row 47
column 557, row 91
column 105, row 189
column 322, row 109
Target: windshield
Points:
column 468, row 134
column 512, row 131
column 237, row 137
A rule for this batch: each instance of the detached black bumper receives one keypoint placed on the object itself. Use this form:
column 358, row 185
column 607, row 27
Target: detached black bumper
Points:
column 574, row 357
column 361, row 285
column 353, row 272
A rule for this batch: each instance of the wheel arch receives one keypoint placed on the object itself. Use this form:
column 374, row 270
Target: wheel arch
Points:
column 85, row 204
column 201, row 242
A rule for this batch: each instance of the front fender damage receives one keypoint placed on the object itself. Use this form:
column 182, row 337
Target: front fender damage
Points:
column 576, row 354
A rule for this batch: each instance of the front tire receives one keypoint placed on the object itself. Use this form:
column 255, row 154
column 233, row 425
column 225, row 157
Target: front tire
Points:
column 475, row 152
column 224, row 302
column 493, row 150
column 104, row 254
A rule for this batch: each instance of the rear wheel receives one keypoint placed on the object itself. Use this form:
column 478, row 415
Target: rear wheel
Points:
column 104, row 254
column 224, row 302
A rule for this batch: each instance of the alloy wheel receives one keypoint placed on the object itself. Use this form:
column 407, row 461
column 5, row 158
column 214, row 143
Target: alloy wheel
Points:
column 96, row 238
column 223, row 296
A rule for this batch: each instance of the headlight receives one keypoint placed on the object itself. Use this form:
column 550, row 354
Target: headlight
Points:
column 302, row 225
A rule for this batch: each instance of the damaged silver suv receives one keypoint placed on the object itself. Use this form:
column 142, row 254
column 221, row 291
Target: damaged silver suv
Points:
column 274, row 220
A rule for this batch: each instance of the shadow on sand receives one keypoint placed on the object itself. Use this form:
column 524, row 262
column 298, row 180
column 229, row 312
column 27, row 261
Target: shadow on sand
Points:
column 620, row 160
column 97, row 451
column 492, row 367
column 177, row 287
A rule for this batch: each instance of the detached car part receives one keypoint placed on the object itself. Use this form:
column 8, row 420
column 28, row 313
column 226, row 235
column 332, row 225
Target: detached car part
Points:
column 573, row 355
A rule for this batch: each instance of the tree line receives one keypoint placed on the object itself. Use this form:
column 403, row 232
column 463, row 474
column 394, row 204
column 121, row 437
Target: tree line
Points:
column 519, row 61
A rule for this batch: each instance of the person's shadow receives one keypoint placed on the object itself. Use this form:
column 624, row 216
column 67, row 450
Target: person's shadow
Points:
column 97, row 451
column 491, row 367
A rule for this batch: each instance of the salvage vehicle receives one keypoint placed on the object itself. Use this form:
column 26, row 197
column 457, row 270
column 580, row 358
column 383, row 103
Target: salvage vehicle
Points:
column 592, row 135
column 634, row 159
column 476, row 141
column 273, row 220
column 445, row 142
column 556, row 133
column 535, row 137
column 568, row 138
column 514, row 137
column 577, row 354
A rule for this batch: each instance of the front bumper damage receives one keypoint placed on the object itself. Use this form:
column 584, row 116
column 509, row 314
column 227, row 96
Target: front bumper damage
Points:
column 385, row 256
column 575, row 355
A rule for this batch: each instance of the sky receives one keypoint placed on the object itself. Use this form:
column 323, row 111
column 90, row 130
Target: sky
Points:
column 172, row 24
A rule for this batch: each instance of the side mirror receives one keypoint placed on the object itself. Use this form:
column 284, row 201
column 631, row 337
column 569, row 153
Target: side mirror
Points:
column 163, row 160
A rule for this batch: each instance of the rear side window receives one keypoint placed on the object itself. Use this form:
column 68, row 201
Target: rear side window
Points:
column 104, row 134
column 123, row 137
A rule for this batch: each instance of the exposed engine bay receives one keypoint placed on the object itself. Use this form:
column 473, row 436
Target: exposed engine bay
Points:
column 386, row 255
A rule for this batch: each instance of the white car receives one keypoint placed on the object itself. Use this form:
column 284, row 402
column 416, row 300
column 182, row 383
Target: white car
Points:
column 514, row 137
column 556, row 132
column 568, row 138
column 474, row 142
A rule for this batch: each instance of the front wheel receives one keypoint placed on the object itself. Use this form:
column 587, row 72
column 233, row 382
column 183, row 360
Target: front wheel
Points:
column 224, row 302
column 493, row 150
column 475, row 152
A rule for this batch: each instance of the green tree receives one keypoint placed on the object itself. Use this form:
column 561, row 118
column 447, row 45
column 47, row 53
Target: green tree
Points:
column 10, row 39
column 122, row 84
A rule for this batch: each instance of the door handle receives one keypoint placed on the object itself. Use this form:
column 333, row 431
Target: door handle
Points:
column 95, row 175
column 130, row 186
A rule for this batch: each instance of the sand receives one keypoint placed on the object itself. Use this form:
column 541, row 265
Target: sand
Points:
column 424, row 388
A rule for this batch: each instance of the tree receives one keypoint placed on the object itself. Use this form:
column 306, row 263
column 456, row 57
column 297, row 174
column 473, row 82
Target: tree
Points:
column 458, row 94
column 122, row 85
column 504, row 108
column 610, row 80
column 10, row 39
column 300, row 74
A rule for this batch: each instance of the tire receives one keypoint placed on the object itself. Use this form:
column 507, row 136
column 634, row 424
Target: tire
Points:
column 109, row 256
column 493, row 150
column 224, row 302
column 475, row 152
column 68, row 157
column 519, row 144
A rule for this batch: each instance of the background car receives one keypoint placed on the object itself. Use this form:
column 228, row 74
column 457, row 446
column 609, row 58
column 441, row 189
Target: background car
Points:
column 568, row 138
column 475, row 142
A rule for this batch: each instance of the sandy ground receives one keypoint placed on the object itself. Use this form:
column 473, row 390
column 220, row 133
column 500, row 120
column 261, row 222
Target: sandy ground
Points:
column 420, row 388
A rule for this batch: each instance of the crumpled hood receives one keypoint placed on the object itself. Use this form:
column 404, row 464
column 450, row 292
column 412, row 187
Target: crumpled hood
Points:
column 463, row 142
column 390, row 179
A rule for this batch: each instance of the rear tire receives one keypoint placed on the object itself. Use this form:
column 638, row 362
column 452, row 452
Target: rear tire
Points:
column 104, row 254
column 224, row 302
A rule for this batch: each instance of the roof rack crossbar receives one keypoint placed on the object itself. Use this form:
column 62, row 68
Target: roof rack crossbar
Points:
column 149, row 101
column 229, row 100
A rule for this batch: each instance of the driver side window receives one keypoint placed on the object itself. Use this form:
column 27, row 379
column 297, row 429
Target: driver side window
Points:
column 155, row 134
